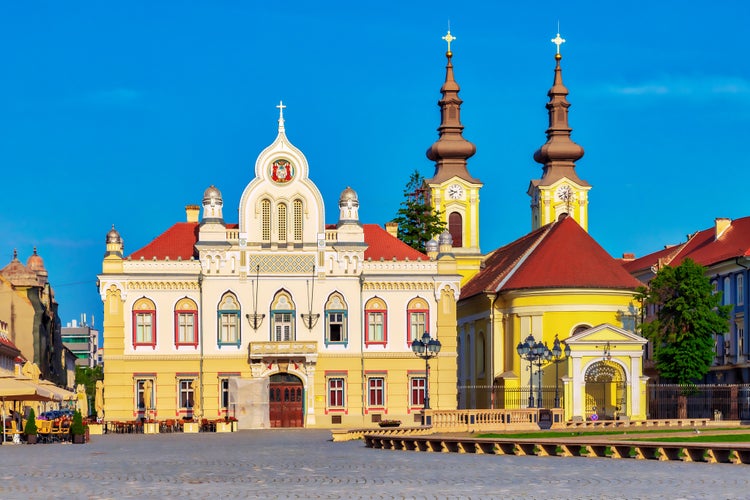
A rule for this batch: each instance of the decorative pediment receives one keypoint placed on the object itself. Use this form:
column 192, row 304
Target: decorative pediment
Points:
column 605, row 333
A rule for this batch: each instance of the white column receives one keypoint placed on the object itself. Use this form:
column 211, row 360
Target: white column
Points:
column 578, row 389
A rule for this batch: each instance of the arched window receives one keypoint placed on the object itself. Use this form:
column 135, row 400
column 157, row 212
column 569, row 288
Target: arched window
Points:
column 336, row 315
column 186, row 323
column 580, row 328
column 144, row 323
column 229, row 320
column 265, row 215
column 282, row 317
column 376, row 322
column 456, row 228
column 418, row 317
column 297, row 206
column 282, row 222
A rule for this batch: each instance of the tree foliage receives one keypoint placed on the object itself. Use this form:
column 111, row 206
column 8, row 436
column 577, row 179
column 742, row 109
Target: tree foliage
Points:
column 417, row 221
column 88, row 377
column 687, row 316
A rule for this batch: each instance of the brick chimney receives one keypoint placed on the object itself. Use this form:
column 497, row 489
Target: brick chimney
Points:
column 392, row 228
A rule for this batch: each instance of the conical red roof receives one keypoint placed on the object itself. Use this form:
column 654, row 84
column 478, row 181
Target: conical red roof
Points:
column 558, row 255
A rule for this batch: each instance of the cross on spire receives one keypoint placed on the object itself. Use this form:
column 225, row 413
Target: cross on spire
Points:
column 281, row 115
column 558, row 40
column 449, row 38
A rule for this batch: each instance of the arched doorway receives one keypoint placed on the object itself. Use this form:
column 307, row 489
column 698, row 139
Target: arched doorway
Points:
column 606, row 391
column 285, row 400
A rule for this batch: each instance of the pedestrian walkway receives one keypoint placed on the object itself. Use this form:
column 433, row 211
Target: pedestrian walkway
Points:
column 307, row 464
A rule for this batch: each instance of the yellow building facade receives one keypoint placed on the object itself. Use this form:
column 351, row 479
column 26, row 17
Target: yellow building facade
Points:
column 279, row 320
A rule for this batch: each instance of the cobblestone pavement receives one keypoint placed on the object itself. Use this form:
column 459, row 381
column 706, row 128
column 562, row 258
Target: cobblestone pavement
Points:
column 306, row 464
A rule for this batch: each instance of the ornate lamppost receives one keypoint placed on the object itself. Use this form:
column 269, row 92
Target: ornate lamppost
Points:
column 426, row 348
column 557, row 356
column 537, row 354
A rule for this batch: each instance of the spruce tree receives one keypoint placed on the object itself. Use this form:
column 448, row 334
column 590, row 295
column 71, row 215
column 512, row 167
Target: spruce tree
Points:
column 417, row 221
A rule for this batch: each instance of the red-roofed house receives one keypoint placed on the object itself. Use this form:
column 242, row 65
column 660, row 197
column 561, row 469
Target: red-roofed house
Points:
column 724, row 250
column 278, row 320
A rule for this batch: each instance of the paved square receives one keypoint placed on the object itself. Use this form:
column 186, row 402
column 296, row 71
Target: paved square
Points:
column 306, row 464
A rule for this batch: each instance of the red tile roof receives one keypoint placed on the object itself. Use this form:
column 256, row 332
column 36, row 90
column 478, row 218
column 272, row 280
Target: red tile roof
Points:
column 180, row 239
column 643, row 263
column 559, row 255
column 177, row 241
column 381, row 244
column 705, row 248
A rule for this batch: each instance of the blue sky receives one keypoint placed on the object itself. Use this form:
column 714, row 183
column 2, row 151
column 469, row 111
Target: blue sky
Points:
column 124, row 112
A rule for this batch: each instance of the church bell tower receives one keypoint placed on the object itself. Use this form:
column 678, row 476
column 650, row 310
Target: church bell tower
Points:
column 560, row 190
column 452, row 190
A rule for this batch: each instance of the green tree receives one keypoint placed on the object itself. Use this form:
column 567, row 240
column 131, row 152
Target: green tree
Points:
column 688, row 315
column 88, row 377
column 417, row 221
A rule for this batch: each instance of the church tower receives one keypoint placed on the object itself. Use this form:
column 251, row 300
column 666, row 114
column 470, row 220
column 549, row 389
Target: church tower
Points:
column 452, row 190
column 559, row 191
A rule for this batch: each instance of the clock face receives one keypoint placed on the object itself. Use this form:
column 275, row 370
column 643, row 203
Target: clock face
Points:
column 455, row 192
column 565, row 193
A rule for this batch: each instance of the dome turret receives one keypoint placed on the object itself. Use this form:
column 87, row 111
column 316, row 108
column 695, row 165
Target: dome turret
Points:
column 212, row 206
column 348, row 207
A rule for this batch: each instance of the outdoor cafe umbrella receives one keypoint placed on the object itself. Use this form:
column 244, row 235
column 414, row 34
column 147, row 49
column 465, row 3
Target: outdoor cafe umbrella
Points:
column 13, row 389
column 59, row 392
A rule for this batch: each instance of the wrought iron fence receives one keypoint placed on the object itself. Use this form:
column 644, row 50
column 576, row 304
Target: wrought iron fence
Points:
column 727, row 401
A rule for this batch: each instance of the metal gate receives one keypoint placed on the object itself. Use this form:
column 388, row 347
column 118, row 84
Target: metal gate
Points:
column 606, row 391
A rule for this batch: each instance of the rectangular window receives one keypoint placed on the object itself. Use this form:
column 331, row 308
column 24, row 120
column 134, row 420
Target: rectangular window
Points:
column 144, row 328
column 186, row 328
column 224, row 394
column 376, row 392
column 727, row 292
column 185, row 394
column 139, row 398
column 229, row 330
column 376, row 327
column 417, row 325
column 336, row 392
column 740, row 290
column 335, row 327
column 416, row 392
column 282, row 327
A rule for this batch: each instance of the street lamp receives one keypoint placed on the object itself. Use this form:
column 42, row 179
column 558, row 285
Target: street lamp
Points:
column 426, row 348
column 536, row 353
column 557, row 353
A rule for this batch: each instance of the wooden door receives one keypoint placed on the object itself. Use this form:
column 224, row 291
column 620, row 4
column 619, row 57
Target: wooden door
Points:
column 285, row 401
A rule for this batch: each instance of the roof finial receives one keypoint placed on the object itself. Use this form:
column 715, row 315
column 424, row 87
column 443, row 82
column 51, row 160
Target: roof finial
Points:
column 558, row 40
column 449, row 38
column 281, row 115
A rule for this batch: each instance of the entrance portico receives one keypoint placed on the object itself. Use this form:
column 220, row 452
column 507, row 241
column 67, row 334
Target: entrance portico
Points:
column 605, row 374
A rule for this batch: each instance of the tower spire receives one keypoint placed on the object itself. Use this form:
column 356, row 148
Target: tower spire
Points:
column 559, row 153
column 451, row 150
